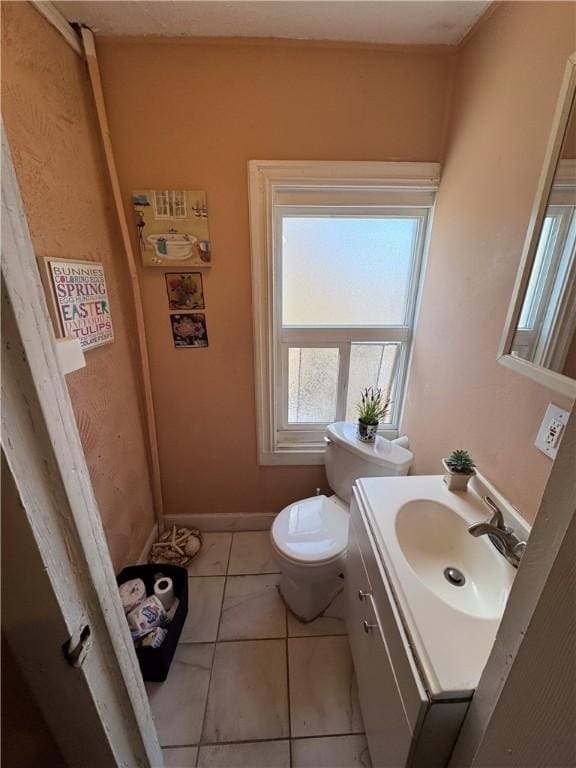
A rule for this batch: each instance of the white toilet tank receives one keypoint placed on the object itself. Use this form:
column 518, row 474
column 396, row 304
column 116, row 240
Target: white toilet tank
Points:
column 347, row 458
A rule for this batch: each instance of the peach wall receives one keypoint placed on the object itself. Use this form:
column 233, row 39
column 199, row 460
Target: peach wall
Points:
column 189, row 114
column 51, row 126
column 507, row 83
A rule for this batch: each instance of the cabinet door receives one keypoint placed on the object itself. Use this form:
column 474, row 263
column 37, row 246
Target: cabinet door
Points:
column 413, row 693
column 387, row 729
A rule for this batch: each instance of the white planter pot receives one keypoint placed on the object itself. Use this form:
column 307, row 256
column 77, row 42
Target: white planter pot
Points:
column 367, row 432
column 456, row 481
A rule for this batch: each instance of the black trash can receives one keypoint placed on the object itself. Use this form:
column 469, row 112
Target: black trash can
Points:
column 155, row 662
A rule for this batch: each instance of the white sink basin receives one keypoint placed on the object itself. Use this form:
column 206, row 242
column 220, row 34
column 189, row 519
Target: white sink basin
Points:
column 420, row 529
column 433, row 538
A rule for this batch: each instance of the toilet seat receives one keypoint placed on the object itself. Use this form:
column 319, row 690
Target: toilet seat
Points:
column 311, row 532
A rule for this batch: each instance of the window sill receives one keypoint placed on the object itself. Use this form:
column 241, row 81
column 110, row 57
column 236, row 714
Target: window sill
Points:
column 303, row 454
column 292, row 457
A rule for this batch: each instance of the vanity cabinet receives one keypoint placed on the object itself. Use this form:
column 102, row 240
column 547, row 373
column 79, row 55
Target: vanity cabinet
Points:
column 404, row 726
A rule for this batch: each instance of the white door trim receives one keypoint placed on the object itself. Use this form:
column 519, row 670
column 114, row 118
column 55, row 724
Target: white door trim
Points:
column 42, row 447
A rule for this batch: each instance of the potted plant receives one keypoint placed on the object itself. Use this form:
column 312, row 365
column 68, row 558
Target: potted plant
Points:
column 459, row 468
column 373, row 406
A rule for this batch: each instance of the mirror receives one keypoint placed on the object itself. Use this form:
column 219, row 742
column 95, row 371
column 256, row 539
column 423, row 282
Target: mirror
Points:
column 540, row 337
column 546, row 328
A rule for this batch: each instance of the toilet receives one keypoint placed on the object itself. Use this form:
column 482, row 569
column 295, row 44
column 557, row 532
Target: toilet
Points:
column 309, row 537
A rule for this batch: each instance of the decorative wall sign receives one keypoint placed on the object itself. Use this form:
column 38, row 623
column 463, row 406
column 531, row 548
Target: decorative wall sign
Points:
column 172, row 227
column 189, row 330
column 185, row 290
column 81, row 299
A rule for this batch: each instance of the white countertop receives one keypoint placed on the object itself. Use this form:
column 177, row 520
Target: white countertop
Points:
column 451, row 646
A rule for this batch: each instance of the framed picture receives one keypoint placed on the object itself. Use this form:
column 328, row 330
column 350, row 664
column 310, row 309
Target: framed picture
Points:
column 172, row 227
column 81, row 299
column 185, row 290
column 189, row 330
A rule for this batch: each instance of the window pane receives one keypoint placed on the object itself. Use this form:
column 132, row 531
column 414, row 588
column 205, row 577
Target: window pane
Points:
column 178, row 204
column 161, row 201
column 538, row 274
column 312, row 384
column 371, row 365
column 346, row 271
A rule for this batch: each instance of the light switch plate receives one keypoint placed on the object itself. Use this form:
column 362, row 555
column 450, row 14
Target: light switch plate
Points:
column 70, row 354
column 551, row 430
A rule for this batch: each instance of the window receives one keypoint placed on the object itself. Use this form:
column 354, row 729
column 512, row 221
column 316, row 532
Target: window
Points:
column 169, row 204
column 337, row 250
column 547, row 320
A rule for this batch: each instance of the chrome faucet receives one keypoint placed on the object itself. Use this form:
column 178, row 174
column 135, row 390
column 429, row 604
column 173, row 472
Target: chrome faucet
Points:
column 503, row 538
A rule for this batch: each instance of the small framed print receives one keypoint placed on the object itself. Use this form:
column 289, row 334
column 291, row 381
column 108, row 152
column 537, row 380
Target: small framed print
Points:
column 185, row 290
column 189, row 330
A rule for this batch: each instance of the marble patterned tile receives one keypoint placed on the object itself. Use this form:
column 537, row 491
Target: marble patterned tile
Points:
column 204, row 604
column 248, row 698
column 330, row 623
column 251, row 554
column 258, row 754
column 331, row 752
column 212, row 560
column 178, row 703
column 252, row 609
column 180, row 757
column 323, row 692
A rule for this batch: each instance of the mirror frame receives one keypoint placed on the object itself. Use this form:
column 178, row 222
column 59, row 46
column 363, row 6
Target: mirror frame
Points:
column 556, row 381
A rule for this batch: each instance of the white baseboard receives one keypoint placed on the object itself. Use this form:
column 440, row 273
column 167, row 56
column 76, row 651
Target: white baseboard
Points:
column 222, row 521
column 143, row 558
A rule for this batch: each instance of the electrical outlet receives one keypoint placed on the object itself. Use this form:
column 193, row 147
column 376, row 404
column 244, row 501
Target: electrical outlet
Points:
column 554, row 431
column 551, row 430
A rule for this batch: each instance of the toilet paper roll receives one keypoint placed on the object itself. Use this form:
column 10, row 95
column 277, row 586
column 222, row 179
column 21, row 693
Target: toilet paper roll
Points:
column 149, row 614
column 164, row 591
column 154, row 638
column 132, row 593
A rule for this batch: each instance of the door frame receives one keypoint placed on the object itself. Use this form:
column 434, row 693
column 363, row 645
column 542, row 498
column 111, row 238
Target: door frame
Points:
column 44, row 453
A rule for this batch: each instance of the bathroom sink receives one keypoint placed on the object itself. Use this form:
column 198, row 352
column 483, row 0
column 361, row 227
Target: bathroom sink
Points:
column 450, row 587
column 457, row 568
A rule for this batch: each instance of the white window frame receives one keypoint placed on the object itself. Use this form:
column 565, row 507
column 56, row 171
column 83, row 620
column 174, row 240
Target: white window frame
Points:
column 546, row 338
column 370, row 185
column 173, row 200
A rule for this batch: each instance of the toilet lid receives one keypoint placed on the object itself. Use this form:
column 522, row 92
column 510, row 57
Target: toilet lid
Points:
column 311, row 531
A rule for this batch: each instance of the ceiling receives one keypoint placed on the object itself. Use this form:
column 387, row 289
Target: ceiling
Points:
column 409, row 22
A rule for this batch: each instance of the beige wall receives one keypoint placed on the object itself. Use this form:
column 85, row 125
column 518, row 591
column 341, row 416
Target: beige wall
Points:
column 507, row 83
column 190, row 115
column 51, row 126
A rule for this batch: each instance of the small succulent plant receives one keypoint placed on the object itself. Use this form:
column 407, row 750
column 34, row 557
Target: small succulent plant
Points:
column 373, row 406
column 461, row 462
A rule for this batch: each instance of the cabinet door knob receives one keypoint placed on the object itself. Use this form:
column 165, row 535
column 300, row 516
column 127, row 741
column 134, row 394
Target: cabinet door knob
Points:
column 368, row 627
column 362, row 595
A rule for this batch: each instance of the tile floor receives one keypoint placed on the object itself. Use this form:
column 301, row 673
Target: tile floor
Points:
column 251, row 686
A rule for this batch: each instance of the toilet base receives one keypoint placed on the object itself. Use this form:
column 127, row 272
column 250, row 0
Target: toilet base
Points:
column 308, row 601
